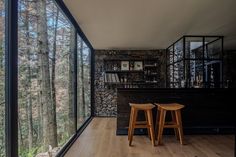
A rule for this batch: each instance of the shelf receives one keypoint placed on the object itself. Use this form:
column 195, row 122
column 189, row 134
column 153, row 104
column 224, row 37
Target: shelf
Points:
column 150, row 66
column 124, row 71
column 150, row 74
column 151, row 82
column 129, row 83
column 111, row 60
column 137, row 78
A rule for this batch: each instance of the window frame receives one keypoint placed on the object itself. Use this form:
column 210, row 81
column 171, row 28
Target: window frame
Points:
column 11, row 77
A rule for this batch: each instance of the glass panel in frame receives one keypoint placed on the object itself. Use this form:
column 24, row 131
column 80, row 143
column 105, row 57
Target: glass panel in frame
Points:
column 194, row 47
column 213, row 47
column 178, row 50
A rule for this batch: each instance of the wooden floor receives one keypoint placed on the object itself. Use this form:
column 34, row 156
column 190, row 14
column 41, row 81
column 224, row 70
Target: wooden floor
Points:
column 99, row 140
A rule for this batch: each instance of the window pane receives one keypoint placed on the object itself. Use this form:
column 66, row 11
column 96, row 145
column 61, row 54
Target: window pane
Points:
column 178, row 75
column 46, row 74
column 83, row 78
column 194, row 47
column 213, row 47
column 2, row 78
column 169, row 55
column 178, row 50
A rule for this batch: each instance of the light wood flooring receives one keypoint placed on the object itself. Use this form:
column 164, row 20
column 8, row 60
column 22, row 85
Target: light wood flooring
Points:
column 99, row 140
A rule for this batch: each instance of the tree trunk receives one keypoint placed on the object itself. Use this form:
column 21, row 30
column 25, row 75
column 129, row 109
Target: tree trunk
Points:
column 71, row 92
column 82, row 78
column 49, row 130
column 53, row 73
column 39, row 93
column 29, row 97
column 1, row 54
column 40, row 120
column 20, row 134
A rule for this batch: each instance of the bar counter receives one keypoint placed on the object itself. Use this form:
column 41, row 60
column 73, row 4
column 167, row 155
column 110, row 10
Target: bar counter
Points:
column 207, row 110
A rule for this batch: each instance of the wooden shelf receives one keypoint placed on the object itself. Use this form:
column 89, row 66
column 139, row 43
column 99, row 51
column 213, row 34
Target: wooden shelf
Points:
column 151, row 74
column 150, row 66
column 124, row 71
column 129, row 83
column 147, row 74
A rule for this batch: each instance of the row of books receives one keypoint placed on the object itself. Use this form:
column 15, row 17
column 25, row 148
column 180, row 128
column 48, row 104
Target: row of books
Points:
column 111, row 78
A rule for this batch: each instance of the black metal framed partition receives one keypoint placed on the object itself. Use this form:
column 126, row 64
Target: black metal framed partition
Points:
column 11, row 77
column 195, row 62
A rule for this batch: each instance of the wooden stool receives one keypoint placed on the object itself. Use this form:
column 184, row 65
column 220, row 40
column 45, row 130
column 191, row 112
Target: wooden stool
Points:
column 148, row 123
column 176, row 122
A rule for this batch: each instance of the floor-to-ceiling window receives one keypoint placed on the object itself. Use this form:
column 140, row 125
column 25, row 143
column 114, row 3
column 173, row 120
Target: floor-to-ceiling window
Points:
column 46, row 78
column 2, row 79
column 83, row 81
column 46, row 88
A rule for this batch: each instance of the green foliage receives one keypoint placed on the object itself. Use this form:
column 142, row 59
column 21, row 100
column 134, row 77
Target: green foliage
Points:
column 29, row 153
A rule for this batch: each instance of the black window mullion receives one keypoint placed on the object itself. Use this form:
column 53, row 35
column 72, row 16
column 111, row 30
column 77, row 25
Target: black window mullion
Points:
column 11, row 48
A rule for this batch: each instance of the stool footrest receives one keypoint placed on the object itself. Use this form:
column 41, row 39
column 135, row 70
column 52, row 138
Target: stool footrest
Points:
column 140, row 122
column 142, row 126
column 171, row 126
column 169, row 123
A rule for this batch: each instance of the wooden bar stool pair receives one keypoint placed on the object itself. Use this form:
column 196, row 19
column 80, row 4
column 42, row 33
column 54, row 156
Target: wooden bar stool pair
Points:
column 176, row 122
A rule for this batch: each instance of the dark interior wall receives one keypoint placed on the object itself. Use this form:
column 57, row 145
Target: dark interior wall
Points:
column 229, row 69
column 106, row 96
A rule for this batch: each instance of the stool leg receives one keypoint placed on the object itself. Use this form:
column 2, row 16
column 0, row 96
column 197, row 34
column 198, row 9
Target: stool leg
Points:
column 130, row 122
column 133, row 126
column 161, row 126
column 146, row 117
column 174, row 121
column 179, row 123
column 157, row 123
column 150, row 123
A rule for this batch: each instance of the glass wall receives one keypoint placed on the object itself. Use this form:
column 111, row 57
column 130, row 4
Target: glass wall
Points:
column 46, row 82
column 195, row 62
column 48, row 48
column 83, row 82
column 2, row 78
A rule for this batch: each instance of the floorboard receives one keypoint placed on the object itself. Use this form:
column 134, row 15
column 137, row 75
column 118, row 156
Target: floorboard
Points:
column 99, row 140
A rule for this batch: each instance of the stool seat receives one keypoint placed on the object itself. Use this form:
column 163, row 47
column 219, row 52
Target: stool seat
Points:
column 142, row 106
column 148, row 123
column 170, row 107
column 176, row 123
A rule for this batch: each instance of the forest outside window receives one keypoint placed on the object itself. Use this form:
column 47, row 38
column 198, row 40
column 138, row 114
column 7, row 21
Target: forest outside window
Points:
column 2, row 78
column 83, row 82
column 46, row 78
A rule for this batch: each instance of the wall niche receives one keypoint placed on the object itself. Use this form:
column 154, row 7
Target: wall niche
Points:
column 106, row 94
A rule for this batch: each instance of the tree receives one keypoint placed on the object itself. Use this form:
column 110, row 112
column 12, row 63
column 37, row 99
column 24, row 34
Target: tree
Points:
column 49, row 129
column 82, row 78
column 53, row 88
column 29, row 97
column 71, row 83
